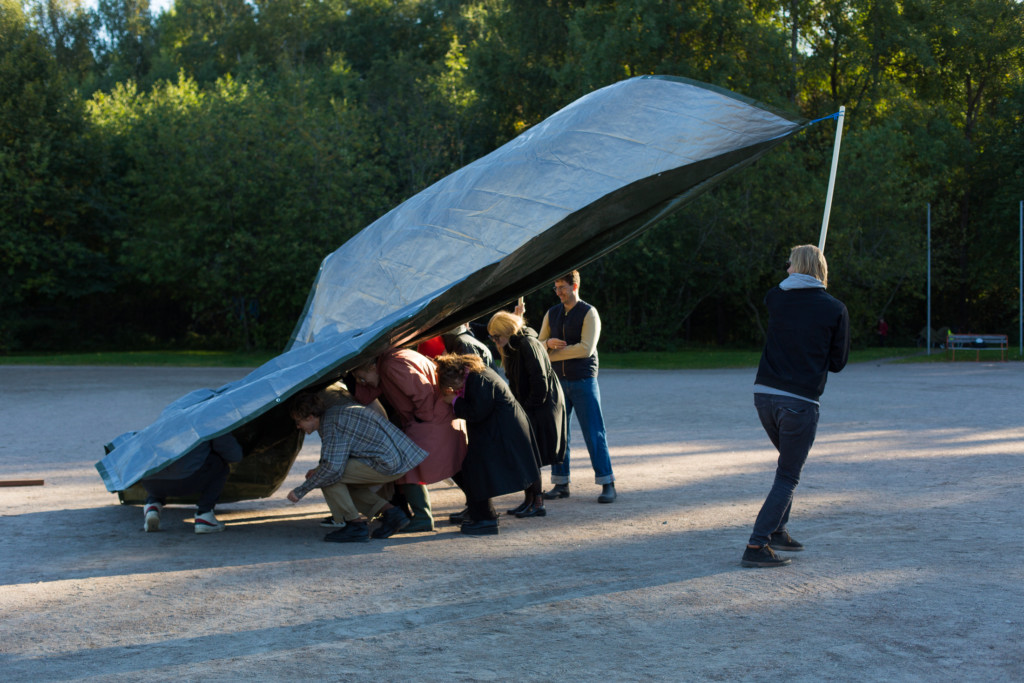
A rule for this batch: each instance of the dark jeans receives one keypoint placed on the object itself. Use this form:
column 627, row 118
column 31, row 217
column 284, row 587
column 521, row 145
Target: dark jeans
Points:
column 208, row 482
column 791, row 425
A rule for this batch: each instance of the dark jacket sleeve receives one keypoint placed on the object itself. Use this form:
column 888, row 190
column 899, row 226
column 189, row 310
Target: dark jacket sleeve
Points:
column 840, row 351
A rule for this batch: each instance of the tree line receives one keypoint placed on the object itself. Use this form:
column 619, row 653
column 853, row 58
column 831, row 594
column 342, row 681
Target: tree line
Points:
column 174, row 179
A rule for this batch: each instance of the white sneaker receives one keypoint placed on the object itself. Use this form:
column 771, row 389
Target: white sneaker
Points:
column 152, row 515
column 206, row 523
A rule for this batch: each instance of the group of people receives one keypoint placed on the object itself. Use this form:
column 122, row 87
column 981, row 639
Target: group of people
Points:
column 408, row 420
column 490, row 435
column 453, row 416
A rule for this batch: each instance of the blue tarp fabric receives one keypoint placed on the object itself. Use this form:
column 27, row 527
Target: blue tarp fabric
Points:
column 590, row 177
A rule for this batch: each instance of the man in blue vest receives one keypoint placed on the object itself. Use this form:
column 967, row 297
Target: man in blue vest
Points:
column 570, row 332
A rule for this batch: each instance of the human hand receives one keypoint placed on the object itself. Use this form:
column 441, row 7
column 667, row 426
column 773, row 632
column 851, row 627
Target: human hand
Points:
column 292, row 497
column 556, row 343
column 520, row 308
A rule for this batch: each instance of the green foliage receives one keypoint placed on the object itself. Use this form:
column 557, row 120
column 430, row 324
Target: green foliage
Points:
column 52, row 246
column 254, row 191
column 175, row 180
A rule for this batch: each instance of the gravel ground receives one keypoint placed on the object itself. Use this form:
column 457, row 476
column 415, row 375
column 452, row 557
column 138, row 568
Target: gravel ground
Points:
column 907, row 507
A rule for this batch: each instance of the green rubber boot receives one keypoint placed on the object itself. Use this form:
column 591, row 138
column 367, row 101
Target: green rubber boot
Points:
column 419, row 502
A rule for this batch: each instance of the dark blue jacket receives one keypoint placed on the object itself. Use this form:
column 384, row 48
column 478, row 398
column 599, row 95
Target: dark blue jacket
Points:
column 808, row 336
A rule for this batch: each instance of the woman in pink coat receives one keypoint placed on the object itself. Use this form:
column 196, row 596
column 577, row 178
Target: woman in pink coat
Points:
column 407, row 380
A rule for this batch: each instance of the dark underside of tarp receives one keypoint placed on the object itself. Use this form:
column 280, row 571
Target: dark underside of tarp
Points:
column 270, row 443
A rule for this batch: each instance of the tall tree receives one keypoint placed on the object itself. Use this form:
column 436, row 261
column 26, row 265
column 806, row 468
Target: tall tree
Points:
column 51, row 249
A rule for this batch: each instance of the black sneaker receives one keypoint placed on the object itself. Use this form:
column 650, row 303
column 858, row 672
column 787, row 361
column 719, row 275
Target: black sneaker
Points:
column 781, row 540
column 353, row 532
column 392, row 521
column 329, row 523
column 762, row 557
column 558, row 491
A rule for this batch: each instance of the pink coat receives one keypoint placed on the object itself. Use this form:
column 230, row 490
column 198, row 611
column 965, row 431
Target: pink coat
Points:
column 408, row 381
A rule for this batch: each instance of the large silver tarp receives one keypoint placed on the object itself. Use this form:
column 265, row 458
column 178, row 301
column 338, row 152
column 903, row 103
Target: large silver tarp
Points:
column 590, row 177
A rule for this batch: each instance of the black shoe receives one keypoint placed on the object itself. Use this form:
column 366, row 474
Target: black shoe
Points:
column 516, row 510
column 460, row 517
column 558, row 491
column 608, row 494
column 762, row 557
column 329, row 523
column 532, row 511
column 485, row 527
column 781, row 540
column 392, row 521
column 353, row 532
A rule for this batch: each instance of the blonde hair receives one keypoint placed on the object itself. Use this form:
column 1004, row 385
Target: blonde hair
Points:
column 504, row 324
column 808, row 259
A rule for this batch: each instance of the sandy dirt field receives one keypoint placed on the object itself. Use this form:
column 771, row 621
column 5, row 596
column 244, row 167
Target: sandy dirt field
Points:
column 909, row 507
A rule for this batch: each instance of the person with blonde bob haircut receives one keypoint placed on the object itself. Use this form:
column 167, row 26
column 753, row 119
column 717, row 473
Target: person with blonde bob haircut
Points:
column 808, row 336
column 807, row 259
column 534, row 384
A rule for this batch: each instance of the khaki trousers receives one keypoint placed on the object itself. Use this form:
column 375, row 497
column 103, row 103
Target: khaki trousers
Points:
column 352, row 496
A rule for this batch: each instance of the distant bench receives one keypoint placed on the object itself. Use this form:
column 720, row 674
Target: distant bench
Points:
column 977, row 343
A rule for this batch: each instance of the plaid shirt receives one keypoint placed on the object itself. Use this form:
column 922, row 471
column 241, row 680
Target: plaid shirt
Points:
column 352, row 431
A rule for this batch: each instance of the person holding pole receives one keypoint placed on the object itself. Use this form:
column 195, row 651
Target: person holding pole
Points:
column 808, row 337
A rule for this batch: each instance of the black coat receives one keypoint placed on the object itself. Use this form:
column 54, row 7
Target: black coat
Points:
column 536, row 387
column 502, row 455
column 464, row 343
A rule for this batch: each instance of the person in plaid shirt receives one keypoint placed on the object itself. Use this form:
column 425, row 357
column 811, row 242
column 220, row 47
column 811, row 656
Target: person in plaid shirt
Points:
column 360, row 450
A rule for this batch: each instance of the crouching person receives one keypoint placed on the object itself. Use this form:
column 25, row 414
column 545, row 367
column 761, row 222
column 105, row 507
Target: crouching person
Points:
column 360, row 451
column 201, row 472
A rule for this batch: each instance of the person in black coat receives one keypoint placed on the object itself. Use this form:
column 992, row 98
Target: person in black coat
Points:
column 536, row 387
column 461, row 341
column 808, row 337
column 502, row 453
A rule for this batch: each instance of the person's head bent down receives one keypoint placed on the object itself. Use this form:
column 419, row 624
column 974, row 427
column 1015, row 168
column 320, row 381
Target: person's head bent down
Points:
column 307, row 410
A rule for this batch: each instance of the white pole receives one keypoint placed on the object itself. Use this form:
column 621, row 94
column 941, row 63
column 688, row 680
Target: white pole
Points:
column 832, row 178
column 928, row 326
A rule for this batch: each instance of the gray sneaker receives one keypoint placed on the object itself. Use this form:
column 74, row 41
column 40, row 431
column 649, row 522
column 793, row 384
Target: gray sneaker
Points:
column 207, row 523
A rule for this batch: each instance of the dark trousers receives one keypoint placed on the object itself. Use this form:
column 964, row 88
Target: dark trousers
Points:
column 791, row 424
column 207, row 482
column 479, row 509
